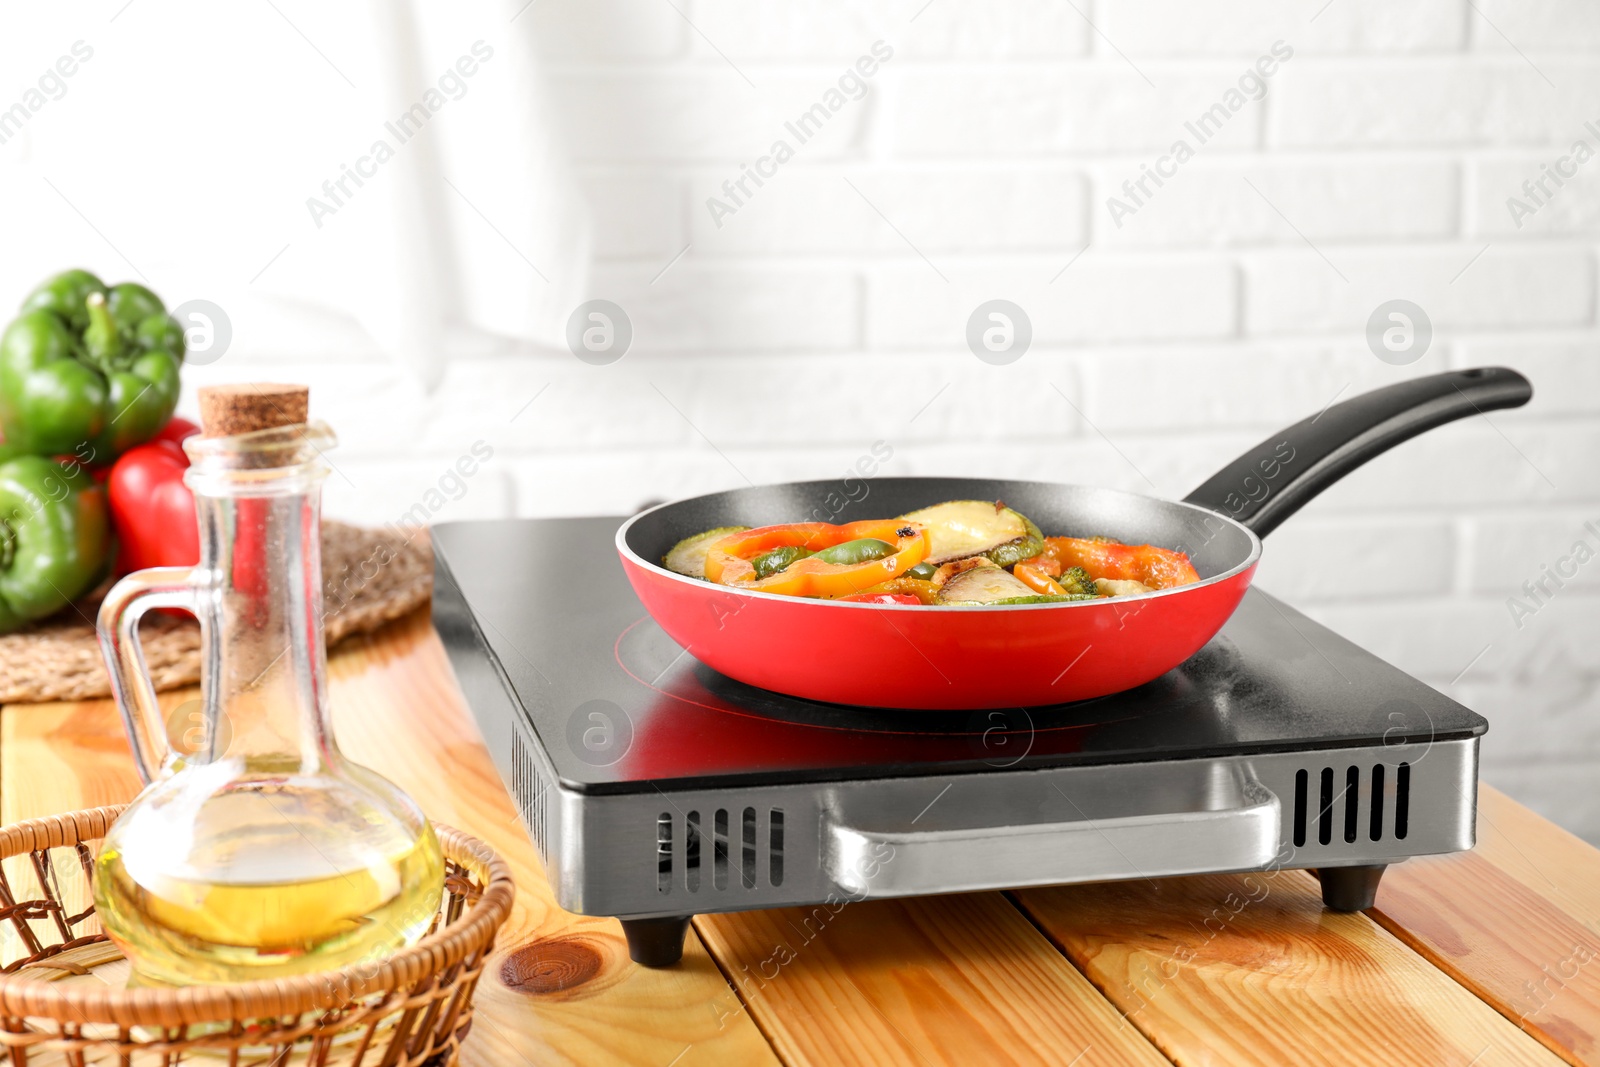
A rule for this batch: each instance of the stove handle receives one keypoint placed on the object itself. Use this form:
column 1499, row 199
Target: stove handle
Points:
column 867, row 862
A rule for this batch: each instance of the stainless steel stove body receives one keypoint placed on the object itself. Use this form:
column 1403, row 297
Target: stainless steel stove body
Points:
column 655, row 788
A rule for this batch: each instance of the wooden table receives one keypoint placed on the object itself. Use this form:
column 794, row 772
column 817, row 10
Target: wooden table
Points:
column 1484, row 958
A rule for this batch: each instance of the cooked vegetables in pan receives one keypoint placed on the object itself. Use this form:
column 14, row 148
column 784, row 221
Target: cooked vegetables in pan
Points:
column 831, row 561
column 960, row 552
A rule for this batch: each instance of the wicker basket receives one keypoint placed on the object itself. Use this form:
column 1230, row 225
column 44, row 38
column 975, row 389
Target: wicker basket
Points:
column 61, row 999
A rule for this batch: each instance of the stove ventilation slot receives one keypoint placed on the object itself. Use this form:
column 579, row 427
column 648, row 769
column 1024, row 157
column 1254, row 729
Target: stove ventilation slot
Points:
column 1402, row 800
column 528, row 791
column 747, row 851
column 775, row 847
column 1338, row 804
column 719, row 851
column 664, row 852
column 691, row 852
column 738, row 840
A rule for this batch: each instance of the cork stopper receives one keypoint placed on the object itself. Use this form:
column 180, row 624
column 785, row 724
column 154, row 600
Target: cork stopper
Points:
column 226, row 410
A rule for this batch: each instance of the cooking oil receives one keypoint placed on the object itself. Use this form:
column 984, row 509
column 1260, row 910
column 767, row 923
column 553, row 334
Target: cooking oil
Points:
column 266, row 877
column 263, row 852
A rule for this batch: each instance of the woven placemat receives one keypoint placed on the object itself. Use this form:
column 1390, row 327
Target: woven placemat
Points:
column 369, row 577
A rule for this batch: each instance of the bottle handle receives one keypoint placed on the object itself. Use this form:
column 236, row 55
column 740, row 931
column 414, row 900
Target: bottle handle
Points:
column 118, row 629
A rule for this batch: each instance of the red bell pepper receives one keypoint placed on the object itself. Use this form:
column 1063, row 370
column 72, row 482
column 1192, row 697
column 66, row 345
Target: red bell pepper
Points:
column 177, row 431
column 155, row 517
column 1159, row 568
column 152, row 509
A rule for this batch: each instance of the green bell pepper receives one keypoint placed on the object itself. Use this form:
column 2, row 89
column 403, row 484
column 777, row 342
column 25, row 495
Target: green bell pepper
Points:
column 86, row 370
column 66, row 294
column 55, row 536
column 770, row 563
column 861, row 550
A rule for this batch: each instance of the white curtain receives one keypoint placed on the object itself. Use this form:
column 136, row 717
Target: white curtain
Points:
column 475, row 219
column 309, row 167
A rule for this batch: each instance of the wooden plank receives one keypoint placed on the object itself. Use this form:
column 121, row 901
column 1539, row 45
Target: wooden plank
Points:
column 1514, row 921
column 575, row 997
column 1536, row 852
column 1250, row 969
column 955, row 980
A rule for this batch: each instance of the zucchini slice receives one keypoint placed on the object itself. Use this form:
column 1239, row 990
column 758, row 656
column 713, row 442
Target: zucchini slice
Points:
column 958, row 529
column 689, row 555
column 1023, row 548
column 984, row 583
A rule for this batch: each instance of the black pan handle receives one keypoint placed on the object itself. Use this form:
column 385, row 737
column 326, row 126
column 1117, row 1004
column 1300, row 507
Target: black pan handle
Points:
column 1281, row 474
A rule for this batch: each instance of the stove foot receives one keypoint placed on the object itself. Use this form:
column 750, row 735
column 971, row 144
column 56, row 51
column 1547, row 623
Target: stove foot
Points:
column 656, row 942
column 1350, row 888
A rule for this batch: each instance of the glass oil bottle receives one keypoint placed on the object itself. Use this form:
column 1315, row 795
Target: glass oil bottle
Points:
column 265, row 853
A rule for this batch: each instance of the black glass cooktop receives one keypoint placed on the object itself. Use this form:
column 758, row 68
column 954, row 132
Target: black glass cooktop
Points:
column 542, row 626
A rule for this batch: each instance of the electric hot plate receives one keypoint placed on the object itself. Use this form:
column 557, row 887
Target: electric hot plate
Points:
column 655, row 788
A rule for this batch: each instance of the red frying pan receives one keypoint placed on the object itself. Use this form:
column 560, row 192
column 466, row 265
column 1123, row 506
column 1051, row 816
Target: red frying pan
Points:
column 1020, row 655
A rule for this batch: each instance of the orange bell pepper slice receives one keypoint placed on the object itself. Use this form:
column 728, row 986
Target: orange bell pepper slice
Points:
column 730, row 560
column 1038, row 579
column 1159, row 568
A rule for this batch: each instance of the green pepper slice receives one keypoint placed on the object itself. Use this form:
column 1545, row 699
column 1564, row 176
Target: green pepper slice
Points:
column 861, row 550
column 771, row 563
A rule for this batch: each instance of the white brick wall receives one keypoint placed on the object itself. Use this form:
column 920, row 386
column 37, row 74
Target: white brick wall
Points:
column 809, row 324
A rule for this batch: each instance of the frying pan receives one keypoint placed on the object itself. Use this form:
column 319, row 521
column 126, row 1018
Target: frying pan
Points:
column 1019, row 655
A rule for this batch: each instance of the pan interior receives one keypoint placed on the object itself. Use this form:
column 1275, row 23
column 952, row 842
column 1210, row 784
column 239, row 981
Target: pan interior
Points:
column 1214, row 544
